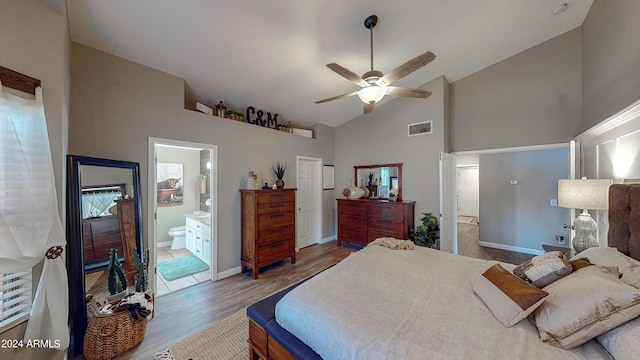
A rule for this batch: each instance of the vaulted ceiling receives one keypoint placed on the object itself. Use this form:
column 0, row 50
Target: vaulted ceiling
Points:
column 272, row 54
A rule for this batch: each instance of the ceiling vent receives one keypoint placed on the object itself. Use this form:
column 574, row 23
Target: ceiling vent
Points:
column 421, row 128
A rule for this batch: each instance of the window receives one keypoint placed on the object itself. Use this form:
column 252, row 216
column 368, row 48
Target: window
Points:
column 384, row 176
column 15, row 298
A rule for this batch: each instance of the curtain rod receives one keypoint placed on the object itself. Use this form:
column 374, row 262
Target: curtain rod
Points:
column 18, row 81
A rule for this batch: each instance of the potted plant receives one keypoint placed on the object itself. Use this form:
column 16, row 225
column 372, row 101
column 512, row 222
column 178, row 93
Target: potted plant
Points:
column 426, row 234
column 278, row 170
column 117, row 281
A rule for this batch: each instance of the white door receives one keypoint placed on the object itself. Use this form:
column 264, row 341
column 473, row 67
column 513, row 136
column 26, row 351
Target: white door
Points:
column 448, row 208
column 308, row 199
column 468, row 191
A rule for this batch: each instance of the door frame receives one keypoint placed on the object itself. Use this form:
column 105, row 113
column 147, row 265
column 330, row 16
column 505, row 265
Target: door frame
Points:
column 152, row 204
column 318, row 189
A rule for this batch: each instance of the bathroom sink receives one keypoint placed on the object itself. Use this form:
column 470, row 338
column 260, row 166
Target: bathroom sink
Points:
column 201, row 213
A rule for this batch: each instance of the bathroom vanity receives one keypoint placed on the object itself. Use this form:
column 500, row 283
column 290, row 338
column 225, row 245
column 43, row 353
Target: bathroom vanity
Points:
column 198, row 237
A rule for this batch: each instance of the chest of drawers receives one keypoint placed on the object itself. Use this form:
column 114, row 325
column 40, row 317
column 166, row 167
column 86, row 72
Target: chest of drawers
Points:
column 362, row 221
column 268, row 227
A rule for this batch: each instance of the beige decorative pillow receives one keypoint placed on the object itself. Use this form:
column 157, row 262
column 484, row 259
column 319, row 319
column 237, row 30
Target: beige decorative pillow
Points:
column 509, row 298
column 544, row 269
column 611, row 257
column 584, row 305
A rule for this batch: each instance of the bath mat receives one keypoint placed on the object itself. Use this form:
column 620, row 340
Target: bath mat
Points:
column 181, row 267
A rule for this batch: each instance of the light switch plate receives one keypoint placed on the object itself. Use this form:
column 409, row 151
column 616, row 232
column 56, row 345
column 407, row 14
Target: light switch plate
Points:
column 553, row 202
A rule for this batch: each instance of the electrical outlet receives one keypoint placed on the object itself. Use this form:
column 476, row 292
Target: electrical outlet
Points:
column 560, row 239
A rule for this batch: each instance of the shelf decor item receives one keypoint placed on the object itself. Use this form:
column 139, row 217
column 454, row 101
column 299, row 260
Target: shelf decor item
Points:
column 278, row 170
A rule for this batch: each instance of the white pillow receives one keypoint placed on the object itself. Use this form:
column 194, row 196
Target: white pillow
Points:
column 623, row 342
column 583, row 305
column 610, row 257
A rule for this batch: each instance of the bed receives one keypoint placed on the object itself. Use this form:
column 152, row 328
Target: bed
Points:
column 381, row 303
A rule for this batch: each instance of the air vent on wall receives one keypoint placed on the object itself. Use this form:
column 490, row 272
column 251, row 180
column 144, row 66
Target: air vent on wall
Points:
column 420, row 128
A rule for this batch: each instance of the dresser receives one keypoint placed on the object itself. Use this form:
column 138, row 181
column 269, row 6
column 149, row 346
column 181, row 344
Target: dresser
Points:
column 360, row 221
column 268, row 227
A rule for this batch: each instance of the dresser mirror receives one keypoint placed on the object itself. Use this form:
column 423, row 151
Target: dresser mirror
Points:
column 389, row 176
column 103, row 212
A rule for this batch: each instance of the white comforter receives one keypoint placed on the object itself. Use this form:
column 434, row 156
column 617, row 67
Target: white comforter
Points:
column 408, row 304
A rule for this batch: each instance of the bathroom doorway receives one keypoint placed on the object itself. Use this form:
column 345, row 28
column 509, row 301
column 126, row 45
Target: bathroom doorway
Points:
column 182, row 194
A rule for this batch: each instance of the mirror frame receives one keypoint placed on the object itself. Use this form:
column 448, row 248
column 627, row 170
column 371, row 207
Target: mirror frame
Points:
column 75, row 244
column 398, row 165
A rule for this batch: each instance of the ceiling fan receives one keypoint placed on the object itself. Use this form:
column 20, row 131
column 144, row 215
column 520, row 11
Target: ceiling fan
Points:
column 374, row 85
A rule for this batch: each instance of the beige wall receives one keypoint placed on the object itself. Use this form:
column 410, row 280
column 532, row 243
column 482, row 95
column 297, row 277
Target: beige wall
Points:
column 170, row 216
column 117, row 105
column 380, row 137
column 610, row 59
column 532, row 98
column 34, row 40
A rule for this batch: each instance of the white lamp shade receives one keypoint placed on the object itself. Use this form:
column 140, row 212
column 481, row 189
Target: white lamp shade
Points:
column 591, row 194
column 372, row 93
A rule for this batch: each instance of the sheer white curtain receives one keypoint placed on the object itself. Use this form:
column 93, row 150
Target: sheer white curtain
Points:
column 30, row 226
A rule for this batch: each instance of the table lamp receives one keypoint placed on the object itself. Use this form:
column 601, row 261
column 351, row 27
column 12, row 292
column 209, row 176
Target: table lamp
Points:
column 586, row 194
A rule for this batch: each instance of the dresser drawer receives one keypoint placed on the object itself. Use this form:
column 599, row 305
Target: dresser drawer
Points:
column 352, row 207
column 352, row 235
column 352, row 220
column 277, row 234
column 274, row 251
column 275, row 207
column 386, row 211
column 386, row 225
column 276, row 197
column 268, row 221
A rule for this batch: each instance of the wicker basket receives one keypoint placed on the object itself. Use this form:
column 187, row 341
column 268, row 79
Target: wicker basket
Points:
column 110, row 335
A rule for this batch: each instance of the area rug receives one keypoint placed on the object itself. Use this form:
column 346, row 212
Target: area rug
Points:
column 181, row 267
column 224, row 340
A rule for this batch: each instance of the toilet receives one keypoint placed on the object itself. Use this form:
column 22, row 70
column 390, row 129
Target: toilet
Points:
column 178, row 233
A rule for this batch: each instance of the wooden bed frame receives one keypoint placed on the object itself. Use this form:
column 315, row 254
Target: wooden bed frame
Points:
column 624, row 234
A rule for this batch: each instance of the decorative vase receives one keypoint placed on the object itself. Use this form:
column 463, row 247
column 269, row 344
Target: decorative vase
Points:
column 280, row 184
column 203, row 186
column 356, row 192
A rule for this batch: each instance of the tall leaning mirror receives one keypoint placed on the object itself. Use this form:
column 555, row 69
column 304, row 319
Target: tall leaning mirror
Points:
column 104, row 211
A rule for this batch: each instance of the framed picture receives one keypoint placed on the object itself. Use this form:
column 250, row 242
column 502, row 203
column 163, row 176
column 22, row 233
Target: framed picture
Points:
column 328, row 177
column 170, row 184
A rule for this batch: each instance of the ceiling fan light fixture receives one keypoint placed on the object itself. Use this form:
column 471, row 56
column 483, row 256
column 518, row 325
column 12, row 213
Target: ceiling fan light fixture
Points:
column 372, row 93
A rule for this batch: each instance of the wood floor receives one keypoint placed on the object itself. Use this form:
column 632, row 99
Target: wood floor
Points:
column 187, row 311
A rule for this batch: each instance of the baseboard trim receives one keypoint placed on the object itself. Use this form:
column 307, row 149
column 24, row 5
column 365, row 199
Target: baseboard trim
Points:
column 511, row 248
column 327, row 239
column 164, row 243
column 230, row 272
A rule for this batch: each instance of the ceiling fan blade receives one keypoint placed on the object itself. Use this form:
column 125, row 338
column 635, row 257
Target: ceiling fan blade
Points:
column 368, row 107
column 408, row 92
column 406, row 68
column 348, row 74
column 337, row 97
